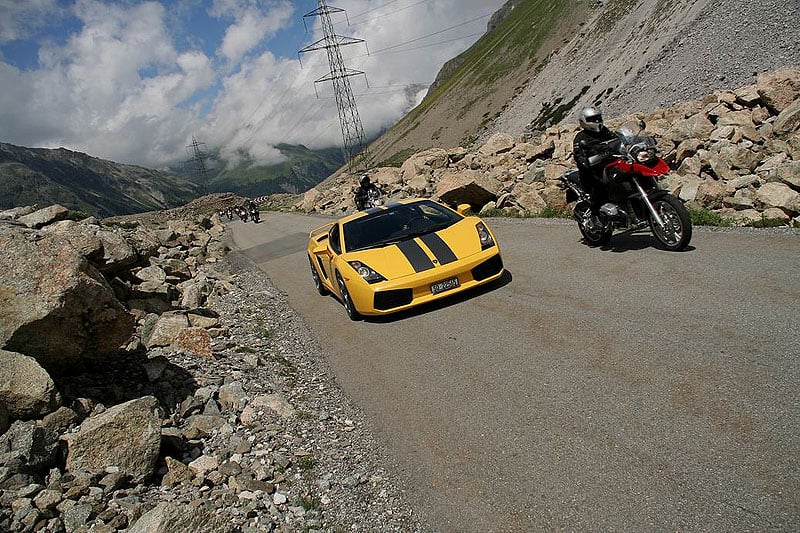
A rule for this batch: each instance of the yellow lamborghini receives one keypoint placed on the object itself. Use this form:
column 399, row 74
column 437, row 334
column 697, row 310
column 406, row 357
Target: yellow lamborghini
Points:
column 401, row 255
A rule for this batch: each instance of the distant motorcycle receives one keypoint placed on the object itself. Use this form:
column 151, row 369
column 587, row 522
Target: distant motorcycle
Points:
column 636, row 200
column 368, row 201
column 255, row 215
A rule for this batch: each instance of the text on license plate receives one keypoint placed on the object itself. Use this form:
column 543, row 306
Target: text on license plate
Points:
column 444, row 285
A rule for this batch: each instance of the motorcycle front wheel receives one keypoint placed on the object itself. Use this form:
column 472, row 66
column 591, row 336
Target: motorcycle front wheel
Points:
column 592, row 236
column 676, row 232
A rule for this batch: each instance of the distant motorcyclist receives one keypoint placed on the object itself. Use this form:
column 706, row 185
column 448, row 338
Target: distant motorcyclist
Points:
column 253, row 210
column 362, row 192
column 592, row 148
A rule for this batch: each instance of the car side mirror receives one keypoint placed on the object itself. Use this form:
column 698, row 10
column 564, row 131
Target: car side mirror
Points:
column 322, row 249
column 463, row 209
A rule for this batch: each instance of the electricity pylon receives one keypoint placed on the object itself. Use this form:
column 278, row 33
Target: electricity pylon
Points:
column 352, row 130
column 199, row 159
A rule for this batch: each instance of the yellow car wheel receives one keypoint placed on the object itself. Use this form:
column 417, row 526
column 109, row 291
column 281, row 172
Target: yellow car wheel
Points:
column 321, row 289
column 349, row 306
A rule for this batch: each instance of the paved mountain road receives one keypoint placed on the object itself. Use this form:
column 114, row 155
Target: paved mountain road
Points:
column 625, row 389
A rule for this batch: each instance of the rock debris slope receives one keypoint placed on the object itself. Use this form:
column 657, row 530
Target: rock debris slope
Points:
column 216, row 412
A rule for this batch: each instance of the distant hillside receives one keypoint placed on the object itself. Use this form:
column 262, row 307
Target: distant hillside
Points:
column 82, row 182
column 303, row 169
column 540, row 61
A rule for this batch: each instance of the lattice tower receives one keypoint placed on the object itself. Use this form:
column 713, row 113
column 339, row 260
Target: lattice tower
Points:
column 355, row 151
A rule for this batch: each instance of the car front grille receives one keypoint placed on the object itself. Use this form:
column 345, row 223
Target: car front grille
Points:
column 385, row 300
column 488, row 268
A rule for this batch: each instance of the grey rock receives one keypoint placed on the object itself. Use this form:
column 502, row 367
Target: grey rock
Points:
column 127, row 436
column 25, row 387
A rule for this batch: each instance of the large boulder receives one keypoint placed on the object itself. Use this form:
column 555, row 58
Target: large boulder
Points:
column 54, row 305
column 778, row 195
column 467, row 187
column 779, row 88
column 789, row 119
column 172, row 517
column 45, row 216
column 28, row 451
column 25, row 388
column 127, row 436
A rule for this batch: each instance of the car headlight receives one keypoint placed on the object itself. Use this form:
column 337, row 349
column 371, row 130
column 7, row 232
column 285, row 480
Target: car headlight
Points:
column 483, row 234
column 369, row 275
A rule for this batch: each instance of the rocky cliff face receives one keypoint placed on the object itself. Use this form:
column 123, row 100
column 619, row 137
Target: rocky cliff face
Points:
column 151, row 382
column 735, row 153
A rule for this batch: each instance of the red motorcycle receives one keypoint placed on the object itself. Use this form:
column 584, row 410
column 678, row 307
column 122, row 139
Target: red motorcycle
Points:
column 635, row 199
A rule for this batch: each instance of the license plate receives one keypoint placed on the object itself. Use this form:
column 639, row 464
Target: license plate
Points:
column 444, row 285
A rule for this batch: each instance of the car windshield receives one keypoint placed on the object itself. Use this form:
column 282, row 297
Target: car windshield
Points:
column 397, row 223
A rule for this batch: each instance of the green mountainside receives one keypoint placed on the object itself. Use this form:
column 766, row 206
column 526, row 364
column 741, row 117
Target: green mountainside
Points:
column 302, row 169
column 476, row 86
column 85, row 183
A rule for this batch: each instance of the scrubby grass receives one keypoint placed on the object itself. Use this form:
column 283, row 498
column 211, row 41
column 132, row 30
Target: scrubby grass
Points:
column 547, row 212
column 397, row 159
column 552, row 212
column 704, row 217
column 765, row 222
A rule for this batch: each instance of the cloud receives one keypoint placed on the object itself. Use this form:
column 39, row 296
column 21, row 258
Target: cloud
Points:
column 121, row 87
column 253, row 24
column 408, row 42
column 19, row 19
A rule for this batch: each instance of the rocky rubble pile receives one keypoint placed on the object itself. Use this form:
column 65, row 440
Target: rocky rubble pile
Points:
column 734, row 153
column 151, row 382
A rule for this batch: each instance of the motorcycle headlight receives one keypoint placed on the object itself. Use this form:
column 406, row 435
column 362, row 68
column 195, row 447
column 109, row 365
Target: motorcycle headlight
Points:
column 483, row 234
column 369, row 275
column 645, row 155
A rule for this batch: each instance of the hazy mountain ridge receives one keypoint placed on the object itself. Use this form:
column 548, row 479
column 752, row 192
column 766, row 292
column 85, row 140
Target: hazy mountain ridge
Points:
column 82, row 182
column 302, row 169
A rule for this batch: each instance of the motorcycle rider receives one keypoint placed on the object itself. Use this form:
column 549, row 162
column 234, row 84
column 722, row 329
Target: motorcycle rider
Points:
column 362, row 191
column 593, row 146
column 253, row 209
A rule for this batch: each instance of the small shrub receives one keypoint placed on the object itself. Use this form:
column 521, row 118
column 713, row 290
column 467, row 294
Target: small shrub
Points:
column 704, row 217
column 77, row 216
column 245, row 349
column 767, row 223
column 552, row 212
column 306, row 462
column 309, row 502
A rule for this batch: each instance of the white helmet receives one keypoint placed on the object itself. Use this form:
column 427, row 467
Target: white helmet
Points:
column 590, row 118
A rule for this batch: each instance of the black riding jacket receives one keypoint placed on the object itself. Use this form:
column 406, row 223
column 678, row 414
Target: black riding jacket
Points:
column 588, row 143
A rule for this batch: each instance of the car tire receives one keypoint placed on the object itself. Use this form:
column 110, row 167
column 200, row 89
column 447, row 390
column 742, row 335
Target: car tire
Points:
column 347, row 301
column 321, row 289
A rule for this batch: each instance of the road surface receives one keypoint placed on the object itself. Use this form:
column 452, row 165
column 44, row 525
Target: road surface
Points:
column 622, row 389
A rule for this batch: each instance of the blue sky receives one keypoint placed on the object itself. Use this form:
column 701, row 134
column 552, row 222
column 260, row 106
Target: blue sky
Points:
column 133, row 81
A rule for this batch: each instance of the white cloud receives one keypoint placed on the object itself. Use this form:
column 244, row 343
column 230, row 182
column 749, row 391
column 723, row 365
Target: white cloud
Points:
column 120, row 88
column 253, row 24
column 288, row 110
column 19, row 18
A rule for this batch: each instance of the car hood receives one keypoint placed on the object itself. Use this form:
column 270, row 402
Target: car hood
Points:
column 422, row 253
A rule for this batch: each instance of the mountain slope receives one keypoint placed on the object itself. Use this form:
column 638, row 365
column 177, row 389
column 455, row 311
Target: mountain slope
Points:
column 544, row 60
column 79, row 181
column 302, row 170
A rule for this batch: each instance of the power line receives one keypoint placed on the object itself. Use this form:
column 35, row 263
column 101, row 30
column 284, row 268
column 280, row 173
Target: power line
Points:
column 352, row 129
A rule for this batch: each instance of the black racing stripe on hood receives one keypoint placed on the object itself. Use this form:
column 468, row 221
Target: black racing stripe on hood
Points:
column 416, row 255
column 444, row 254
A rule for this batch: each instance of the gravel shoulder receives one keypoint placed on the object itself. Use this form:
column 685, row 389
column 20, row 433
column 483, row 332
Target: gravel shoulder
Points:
column 343, row 482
